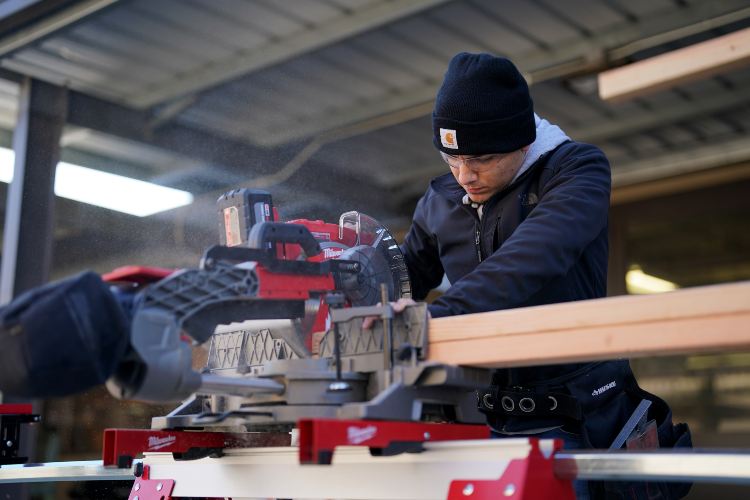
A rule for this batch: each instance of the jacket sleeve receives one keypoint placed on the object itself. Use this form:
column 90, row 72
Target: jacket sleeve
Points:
column 62, row 338
column 421, row 254
column 572, row 210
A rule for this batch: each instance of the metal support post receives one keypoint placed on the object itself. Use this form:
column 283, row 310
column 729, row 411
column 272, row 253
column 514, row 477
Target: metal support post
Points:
column 28, row 234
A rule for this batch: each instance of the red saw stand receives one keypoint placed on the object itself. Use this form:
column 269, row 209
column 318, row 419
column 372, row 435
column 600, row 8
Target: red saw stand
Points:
column 11, row 418
column 327, row 447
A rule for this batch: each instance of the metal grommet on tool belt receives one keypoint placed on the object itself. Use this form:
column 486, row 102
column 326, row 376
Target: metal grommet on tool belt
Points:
column 527, row 405
column 508, row 403
column 486, row 401
column 554, row 403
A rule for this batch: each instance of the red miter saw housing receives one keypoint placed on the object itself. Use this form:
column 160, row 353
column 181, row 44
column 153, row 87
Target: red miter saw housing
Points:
column 241, row 210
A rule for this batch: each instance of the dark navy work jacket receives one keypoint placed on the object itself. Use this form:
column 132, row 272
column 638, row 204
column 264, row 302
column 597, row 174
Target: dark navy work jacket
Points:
column 541, row 240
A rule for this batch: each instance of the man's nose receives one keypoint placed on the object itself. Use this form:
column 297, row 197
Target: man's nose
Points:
column 465, row 174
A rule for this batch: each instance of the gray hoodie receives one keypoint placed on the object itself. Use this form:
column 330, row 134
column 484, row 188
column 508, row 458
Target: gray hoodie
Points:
column 548, row 137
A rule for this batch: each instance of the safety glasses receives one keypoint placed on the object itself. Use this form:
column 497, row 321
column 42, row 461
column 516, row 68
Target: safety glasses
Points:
column 480, row 163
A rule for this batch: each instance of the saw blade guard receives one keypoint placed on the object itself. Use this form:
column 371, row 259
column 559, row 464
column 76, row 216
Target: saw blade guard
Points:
column 381, row 261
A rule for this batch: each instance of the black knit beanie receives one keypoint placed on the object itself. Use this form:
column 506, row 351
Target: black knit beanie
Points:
column 483, row 107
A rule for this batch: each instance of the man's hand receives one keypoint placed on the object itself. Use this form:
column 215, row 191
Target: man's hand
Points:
column 397, row 306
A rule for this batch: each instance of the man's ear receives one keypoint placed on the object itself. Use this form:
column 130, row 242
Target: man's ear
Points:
column 525, row 149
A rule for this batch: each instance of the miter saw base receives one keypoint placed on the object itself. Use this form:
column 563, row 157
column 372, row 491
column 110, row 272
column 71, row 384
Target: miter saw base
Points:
column 402, row 386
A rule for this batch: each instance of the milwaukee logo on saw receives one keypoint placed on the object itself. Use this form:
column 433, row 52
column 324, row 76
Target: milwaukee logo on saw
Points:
column 156, row 443
column 358, row 435
column 332, row 253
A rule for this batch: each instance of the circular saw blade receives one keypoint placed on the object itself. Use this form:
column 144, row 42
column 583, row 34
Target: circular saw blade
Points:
column 381, row 262
column 363, row 288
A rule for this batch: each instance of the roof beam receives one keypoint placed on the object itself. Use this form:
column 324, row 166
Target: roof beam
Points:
column 679, row 33
column 681, row 163
column 676, row 67
column 687, row 182
column 374, row 115
column 49, row 24
column 113, row 119
column 279, row 51
column 537, row 65
column 646, row 120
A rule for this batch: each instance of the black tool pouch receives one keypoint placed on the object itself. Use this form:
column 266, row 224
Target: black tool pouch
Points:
column 609, row 394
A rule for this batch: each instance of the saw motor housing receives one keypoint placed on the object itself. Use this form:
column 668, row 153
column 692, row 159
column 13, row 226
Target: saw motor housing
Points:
column 356, row 237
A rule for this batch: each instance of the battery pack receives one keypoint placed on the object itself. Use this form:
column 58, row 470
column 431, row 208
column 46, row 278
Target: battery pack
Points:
column 239, row 210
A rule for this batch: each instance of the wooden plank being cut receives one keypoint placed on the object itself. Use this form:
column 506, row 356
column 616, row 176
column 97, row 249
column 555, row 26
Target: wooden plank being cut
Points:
column 702, row 319
column 678, row 66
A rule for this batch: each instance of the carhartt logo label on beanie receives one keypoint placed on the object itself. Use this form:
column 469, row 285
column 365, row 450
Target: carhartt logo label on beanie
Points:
column 448, row 138
column 486, row 101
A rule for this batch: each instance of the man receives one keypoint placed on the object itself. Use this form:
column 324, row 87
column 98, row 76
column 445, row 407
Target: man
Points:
column 520, row 220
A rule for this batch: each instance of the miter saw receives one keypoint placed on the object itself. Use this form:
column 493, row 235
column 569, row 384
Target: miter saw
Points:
column 281, row 305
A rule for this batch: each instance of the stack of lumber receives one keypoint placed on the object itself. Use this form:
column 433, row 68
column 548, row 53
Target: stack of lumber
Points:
column 702, row 319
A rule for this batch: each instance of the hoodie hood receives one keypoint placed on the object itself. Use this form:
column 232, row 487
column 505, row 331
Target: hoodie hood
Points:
column 548, row 137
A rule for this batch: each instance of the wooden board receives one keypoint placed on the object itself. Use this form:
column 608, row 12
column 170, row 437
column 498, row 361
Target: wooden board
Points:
column 702, row 319
column 673, row 68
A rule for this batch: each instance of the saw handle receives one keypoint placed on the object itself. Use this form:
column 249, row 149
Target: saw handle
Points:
column 265, row 233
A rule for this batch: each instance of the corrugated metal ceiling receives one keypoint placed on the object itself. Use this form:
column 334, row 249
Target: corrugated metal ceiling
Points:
column 274, row 73
column 137, row 51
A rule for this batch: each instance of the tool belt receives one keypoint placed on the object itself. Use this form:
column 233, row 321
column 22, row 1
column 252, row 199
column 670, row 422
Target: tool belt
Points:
column 552, row 401
column 598, row 402
column 595, row 401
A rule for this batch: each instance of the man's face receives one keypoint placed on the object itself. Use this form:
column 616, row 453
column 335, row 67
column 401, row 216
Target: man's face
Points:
column 483, row 176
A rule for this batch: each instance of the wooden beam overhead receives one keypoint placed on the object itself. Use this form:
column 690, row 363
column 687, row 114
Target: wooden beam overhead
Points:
column 683, row 162
column 695, row 320
column 676, row 67
column 679, row 183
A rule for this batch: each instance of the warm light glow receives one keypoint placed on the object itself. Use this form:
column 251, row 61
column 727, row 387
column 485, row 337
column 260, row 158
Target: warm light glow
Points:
column 106, row 190
column 639, row 282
